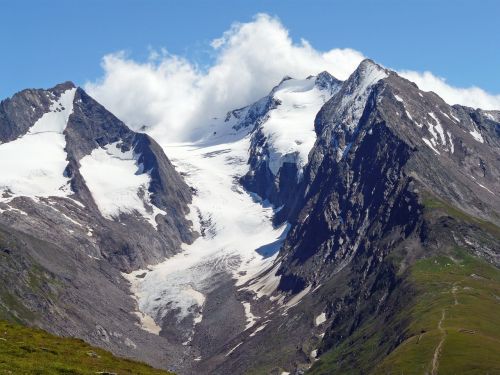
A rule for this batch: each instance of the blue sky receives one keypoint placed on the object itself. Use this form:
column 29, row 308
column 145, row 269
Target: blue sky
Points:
column 46, row 42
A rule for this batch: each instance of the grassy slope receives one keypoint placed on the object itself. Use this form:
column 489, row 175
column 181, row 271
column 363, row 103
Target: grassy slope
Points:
column 32, row 351
column 466, row 291
column 20, row 276
column 456, row 288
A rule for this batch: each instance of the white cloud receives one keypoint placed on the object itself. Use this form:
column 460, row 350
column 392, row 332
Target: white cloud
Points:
column 177, row 98
column 472, row 96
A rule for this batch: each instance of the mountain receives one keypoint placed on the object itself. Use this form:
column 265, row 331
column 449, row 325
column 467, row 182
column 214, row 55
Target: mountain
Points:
column 190, row 296
column 83, row 199
column 330, row 227
column 398, row 186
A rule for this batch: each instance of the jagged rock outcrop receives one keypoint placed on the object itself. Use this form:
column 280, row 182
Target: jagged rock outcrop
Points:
column 19, row 113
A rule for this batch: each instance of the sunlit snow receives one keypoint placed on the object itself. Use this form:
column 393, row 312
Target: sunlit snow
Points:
column 320, row 319
column 477, row 135
column 429, row 143
column 33, row 165
column 235, row 226
column 116, row 185
column 437, row 128
column 290, row 127
column 354, row 103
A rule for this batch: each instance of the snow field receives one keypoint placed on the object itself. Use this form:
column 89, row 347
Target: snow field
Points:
column 33, row 165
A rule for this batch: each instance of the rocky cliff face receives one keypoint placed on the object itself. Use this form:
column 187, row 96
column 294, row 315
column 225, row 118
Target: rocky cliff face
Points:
column 19, row 113
column 381, row 158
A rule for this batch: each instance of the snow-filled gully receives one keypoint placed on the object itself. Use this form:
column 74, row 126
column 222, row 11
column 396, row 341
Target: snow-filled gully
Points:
column 234, row 225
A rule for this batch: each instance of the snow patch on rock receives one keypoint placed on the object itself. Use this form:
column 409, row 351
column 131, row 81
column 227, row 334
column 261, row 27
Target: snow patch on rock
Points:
column 251, row 319
column 314, row 353
column 477, row 135
column 117, row 185
column 429, row 143
column 259, row 328
column 437, row 128
column 233, row 349
column 320, row 319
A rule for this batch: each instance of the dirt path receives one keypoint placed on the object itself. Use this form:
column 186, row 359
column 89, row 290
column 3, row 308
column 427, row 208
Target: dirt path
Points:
column 454, row 292
column 437, row 351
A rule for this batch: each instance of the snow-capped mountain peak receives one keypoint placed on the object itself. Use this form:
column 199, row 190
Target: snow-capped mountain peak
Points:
column 302, row 200
column 289, row 128
column 61, row 143
column 355, row 92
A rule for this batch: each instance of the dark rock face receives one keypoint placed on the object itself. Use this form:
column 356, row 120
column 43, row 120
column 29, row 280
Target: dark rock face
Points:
column 464, row 168
column 260, row 180
column 384, row 160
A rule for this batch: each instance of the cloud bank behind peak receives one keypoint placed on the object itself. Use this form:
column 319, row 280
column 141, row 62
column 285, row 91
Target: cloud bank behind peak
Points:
column 176, row 99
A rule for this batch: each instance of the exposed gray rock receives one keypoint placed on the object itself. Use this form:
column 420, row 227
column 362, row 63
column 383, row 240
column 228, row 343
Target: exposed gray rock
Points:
column 19, row 113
